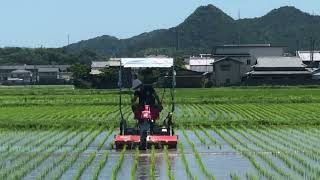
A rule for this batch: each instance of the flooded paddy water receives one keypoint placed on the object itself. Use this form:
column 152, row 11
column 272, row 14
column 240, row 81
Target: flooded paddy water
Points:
column 86, row 154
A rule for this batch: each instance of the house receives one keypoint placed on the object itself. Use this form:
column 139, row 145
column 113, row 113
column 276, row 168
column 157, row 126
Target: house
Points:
column 200, row 64
column 48, row 75
column 247, row 61
column 227, row 71
column 310, row 58
column 20, row 76
column 7, row 72
column 279, row 70
column 246, row 54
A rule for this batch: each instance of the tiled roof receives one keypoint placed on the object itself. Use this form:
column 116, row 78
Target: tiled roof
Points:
column 279, row 61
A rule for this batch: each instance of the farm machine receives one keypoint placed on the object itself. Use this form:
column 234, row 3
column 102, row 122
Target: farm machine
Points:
column 147, row 131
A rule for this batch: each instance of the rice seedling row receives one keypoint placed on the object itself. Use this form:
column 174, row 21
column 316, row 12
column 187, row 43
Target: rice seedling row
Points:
column 116, row 168
column 100, row 165
column 153, row 163
column 135, row 164
column 168, row 164
column 202, row 166
column 62, row 133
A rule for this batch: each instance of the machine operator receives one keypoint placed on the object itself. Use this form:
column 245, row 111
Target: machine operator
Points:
column 146, row 95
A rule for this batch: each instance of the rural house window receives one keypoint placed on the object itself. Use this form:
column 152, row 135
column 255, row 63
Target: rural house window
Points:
column 248, row 61
column 225, row 67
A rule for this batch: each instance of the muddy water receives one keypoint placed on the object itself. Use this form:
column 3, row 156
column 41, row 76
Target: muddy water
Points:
column 220, row 159
column 143, row 170
column 125, row 172
column 192, row 162
column 177, row 166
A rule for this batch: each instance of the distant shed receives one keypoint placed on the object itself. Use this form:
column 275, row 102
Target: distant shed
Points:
column 189, row 79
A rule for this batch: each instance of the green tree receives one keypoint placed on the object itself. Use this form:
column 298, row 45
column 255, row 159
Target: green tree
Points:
column 179, row 63
column 110, row 73
column 80, row 71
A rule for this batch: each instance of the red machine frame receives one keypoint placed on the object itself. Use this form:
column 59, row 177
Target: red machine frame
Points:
column 154, row 134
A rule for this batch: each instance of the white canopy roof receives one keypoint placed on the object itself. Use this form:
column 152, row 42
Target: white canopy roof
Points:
column 147, row 62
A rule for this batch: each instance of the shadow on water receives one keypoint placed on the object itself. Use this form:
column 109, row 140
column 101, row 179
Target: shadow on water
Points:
column 143, row 170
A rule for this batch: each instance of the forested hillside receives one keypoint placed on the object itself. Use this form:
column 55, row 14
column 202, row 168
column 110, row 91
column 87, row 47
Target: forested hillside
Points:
column 207, row 27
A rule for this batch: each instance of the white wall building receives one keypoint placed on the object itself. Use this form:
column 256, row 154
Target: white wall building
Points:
column 200, row 64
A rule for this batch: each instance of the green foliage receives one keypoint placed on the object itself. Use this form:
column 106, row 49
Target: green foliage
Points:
column 169, row 172
column 234, row 176
column 179, row 63
column 207, row 27
column 80, row 71
column 100, row 165
column 116, row 168
column 153, row 163
column 110, row 74
column 63, row 106
column 185, row 161
column 15, row 55
column 135, row 164
column 197, row 155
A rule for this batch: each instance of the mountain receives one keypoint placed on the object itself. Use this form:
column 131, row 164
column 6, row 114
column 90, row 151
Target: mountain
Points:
column 207, row 27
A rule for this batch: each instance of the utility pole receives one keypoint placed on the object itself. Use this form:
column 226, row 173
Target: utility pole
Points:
column 312, row 44
column 239, row 36
column 68, row 39
column 298, row 46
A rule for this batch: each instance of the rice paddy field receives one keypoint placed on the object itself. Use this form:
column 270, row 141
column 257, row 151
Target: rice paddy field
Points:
column 58, row 132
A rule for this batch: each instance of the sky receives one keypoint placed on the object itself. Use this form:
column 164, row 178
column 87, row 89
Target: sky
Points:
column 49, row 23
